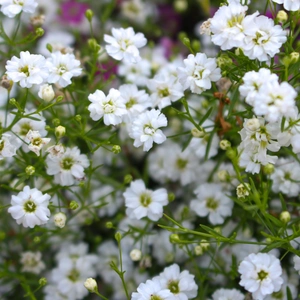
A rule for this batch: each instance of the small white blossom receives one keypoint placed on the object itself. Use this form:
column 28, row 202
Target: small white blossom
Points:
column 67, row 167
column 91, row 285
column 30, row 207
column 291, row 5
column 296, row 260
column 145, row 129
column 32, row 262
column 124, row 44
column 60, row 219
column 46, row 92
column 11, row 8
column 261, row 274
column 62, row 67
column 28, row 70
column 36, row 142
column 141, row 202
column 198, row 73
column 227, row 294
column 7, row 146
column 111, row 107
column 212, row 201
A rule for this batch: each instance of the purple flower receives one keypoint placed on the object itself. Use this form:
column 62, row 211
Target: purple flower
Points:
column 73, row 12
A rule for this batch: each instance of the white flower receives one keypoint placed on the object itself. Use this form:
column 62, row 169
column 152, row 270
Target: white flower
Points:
column 46, row 92
column 36, row 142
column 28, row 70
column 150, row 290
column 30, row 207
column 11, row 8
column 212, row 201
column 7, row 147
column 263, row 39
column 261, row 274
column 141, row 202
column 292, row 5
column 67, row 167
column 227, row 294
column 136, row 101
column 164, row 90
column 62, row 67
column 124, row 44
column 91, row 285
column 32, row 262
column 181, row 284
column 145, row 129
column 227, row 25
column 296, row 260
column 111, row 107
column 198, row 73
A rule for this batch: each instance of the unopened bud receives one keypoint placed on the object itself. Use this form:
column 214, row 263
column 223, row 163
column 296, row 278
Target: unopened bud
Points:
column 174, row 238
column 118, row 236
column 294, row 56
column 198, row 133
column 37, row 239
column 282, row 16
column 59, row 98
column 12, row 101
column 60, row 131
column 196, row 45
column 135, row 254
column 46, row 92
column 285, row 217
column 78, row 118
column 116, row 149
column 127, row 179
column 204, row 244
column 6, row 83
column 49, row 48
column 198, row 250
column 73, row 205
column 94, row 46
column 39, row 31
column 42, row 281
column 243, row 190
column 180, row 5
column 223, row 175
column 225, row 144
column 30, row 170
column 224, row 60
column 60, row 219
column 89, row 14
column 56, row 122
column 91, row 285
column 230, row 153
column 268, row 169
column 109, row 225
column 186, row 41
column 171, row 197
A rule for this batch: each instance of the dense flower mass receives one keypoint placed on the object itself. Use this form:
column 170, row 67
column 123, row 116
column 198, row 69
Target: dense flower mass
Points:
column 149, row 150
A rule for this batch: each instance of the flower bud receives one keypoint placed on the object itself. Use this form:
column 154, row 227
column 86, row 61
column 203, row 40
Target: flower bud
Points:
column 242, row 190
column 253, row 124
column 73, row 205
column 198, row 250
column 6, row 83
column 204, row 244
column 116, row 149
column 30, row 170
column 42, row 281
column 118, row 236
column 46, row 92
column 198, row 133
column 89, row 14
column 60, row 131
column 171, row 197
column 225, row 144
column 56, row 122
column 223, row 175
column 12, row 101
column 37, row 239
column 109, row 225
column 2, row 235
column 135, row 254
column 230, row 153
column 180, row 5
column 285, row 217
column 268, row 169
column 78, row 118
column 91, row 285
column 60, row 219
column 224, row 60
column 282, row 16
column 174, row 238
column 39, row 31
column 59, row 98
column 127, row 179
column 93, row 45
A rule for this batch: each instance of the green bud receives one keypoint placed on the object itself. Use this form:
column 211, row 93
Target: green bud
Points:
column 109, row 225
column 198, row 250
column 224, row 60
column 73, row 205
column 78, row 118
column 42, row 281
column 12, row 101
column 225, row 144
column 174, row 238
column 59, row 98
column 285, row 217
column 89, row 15
column 196, row 46
column 282, row 16
column 47, row 127
column 2, row 235
column 127, row 179
column 81, row 183
column 116, row 149
column 30, row 170
column 56, row 122
column 230, row 153
column 118, row 236
column 37, row 239
column 198, row 133
column 93, row 45
column 49, row 47
column 186, row 41
column 171, row 197
column 268, row 169
column 39, row 31
column 218, row 229
column 180, row 5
